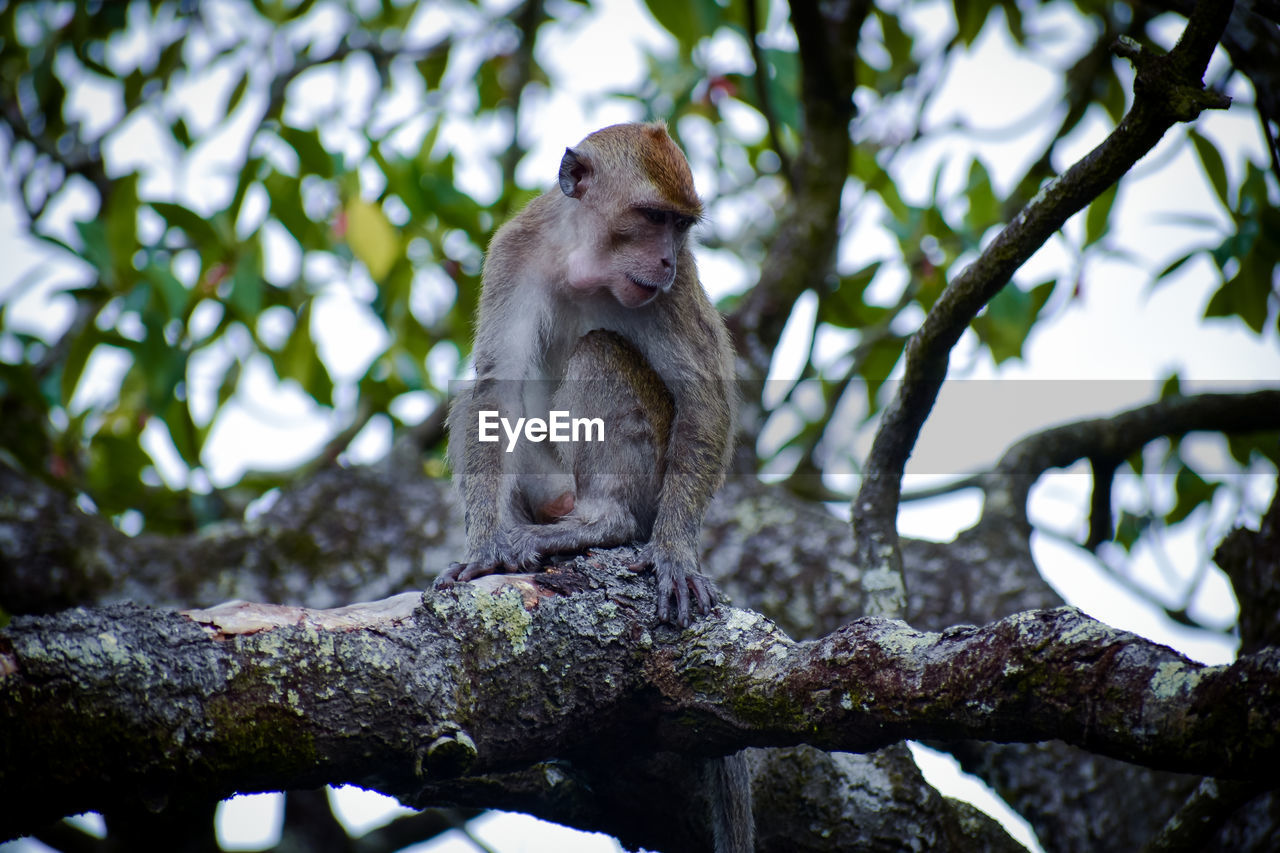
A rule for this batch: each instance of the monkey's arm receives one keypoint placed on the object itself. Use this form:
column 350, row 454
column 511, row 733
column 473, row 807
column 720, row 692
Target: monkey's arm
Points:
column 694, row 470
column 485, row 491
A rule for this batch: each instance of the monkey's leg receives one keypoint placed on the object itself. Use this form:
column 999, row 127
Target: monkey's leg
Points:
column 617, row 471
column 484, row 474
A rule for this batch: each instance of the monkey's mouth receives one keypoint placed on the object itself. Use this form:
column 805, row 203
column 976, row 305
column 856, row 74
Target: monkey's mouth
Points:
column 643, row 285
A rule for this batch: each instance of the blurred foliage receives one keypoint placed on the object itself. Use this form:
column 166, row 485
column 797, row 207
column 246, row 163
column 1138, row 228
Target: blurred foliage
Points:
column 211, row 172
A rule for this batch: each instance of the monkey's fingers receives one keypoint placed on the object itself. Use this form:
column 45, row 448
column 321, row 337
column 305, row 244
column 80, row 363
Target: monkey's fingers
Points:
column 449, row 576
column 668, row 588
column 703, row 590
column 479, row 569
column 456, row 573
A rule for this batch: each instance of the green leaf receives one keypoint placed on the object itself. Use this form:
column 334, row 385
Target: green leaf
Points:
column 441, row 196
column 970, row 16
column 1008, row 319
column 114, row 470
column 173, row 295
column 133, row 89
column 1192, row 491
column 844, row 307
column 1137, row 462
column 120, row 223
column 1013, row 19
column 372, row 238
column 984, row 207
column 250, row 173
column 96, row 251
column 181, row 133
column 1130, row 528
column 687, row 20
column 879, row 364
column 432, row 67
column 1244, row 296
column 1113, row 94
column 1172, row 387
column 246, row 290
column 1174, row 266
column 1211, row 160
column 23, row 416
column 299, row 361
column 182, row 431
column 78, row 353
column 313, row 158
column 285, row 193
column 171, row 56
column 237, row 92
column 162, row 366
column 196, row 227
column 230, row 382
column 896, row 40
column 783, row 81
column 1095, row 219
column 1246, row 447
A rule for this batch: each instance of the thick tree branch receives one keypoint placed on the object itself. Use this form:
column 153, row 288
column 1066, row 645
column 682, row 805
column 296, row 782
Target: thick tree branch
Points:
column 112, row 708
column 1168, row 89
column 801, row 252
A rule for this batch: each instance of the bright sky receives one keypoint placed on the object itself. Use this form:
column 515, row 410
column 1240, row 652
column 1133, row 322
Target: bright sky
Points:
column 1119, row 328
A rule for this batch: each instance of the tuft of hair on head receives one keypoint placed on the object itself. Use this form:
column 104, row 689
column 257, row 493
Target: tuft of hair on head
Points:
column 660, row 160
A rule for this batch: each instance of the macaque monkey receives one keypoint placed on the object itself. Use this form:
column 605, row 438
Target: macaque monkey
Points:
column 591, row 305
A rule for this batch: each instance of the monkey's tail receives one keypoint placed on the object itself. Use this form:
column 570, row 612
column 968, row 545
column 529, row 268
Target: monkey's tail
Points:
column 732, row 823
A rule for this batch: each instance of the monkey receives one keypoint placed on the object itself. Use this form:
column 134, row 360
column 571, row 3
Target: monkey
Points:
column 590, row 303
column 595, row 278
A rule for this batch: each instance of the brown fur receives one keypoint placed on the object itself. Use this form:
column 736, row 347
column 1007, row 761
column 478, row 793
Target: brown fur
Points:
column 591, row 302
column 661, row 161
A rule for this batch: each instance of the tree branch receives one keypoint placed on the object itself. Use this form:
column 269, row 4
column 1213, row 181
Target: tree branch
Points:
column 801, row 252
column 1167, row 89
column 417, row 696
column 1194, row 826
column 761, row 76
column 1122, row 435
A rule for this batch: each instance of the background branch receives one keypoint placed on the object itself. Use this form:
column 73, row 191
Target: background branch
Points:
column 1165, row 92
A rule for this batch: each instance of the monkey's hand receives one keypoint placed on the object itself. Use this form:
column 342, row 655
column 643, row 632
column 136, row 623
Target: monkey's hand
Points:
column 678, row 576
column 502, row 555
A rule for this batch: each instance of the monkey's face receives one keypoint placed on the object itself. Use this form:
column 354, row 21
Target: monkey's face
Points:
column 633, row 204
column 646, row 243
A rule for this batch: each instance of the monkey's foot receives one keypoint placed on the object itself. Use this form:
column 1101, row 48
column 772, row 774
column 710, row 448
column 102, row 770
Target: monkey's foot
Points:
column 456, row 573
column 506, row 555
column 451, row 575
column 678, row 577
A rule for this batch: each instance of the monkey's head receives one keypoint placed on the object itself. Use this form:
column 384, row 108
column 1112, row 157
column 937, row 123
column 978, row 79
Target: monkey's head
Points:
column 635, row 206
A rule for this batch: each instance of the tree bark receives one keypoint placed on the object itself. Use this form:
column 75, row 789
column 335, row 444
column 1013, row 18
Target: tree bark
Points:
column 419, row 696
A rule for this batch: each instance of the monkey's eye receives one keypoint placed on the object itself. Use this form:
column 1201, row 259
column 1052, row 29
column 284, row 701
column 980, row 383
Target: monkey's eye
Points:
column 657, row 217
column 684, row 223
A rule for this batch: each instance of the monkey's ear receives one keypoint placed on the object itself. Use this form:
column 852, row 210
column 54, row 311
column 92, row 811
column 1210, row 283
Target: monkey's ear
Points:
column 575, row 173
